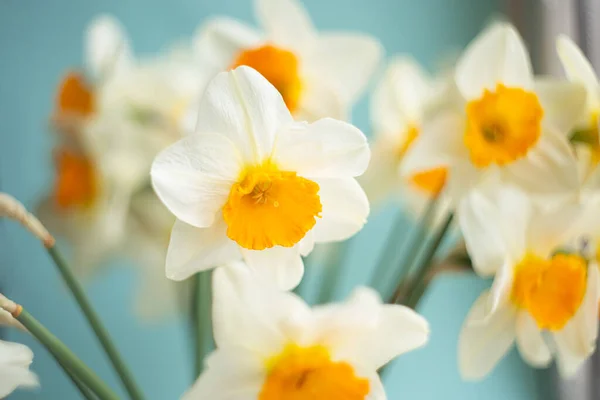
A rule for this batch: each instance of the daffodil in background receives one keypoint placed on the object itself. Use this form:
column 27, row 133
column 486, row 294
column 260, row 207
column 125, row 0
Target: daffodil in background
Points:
column 271, row 345
column 318, row 74
column 402, row 102
column 15, row 359
column 253, row 183
column 545, row 291
column 510, row 128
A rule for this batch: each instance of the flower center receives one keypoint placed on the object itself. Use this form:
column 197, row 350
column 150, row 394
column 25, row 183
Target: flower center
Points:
column 268, row 207
column 502, row 125
column 75, row 96
column 308, row 373
column 76, row 181
column 429, row 181
column 551, row 290
column 278, row 66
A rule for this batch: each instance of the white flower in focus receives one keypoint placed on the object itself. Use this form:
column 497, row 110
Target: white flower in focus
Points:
column 318, row 74
column 253, row 183
column 399, row 108
column 271, row 345
column 509, row 126
column 15, row 359
column 545, row 292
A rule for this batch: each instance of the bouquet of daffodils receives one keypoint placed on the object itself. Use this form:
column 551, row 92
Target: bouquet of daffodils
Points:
column 228, row 165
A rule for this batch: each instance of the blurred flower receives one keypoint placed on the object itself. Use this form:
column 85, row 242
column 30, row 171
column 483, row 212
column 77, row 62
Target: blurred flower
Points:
column 545, row 293
column 318, row 75
column 400, row 105
column 271, row 345
column 509, row 126
column 253, row 183
column 15, row 359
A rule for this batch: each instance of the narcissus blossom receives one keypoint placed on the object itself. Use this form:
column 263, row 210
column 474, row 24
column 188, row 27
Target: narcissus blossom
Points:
column 318, row 74
column 253, row 183
column 272, row 346
column 545, row 292
column 15, row 359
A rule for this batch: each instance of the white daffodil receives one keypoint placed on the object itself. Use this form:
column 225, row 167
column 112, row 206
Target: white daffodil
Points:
column 318, row 74
column 253, row 183
column 15, row 359
column 271, row 345
column 399, row 108
column 545, row 292
column 509, row 126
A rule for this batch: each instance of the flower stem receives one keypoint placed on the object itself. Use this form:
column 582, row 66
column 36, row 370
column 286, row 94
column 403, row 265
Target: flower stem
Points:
column 97, row 326
column 333, row 270
column 418, row 287
column 85, row 392
column 67, row 359
column 201, row 318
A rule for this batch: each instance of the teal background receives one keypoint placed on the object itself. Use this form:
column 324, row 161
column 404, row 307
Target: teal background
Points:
column 39, row 40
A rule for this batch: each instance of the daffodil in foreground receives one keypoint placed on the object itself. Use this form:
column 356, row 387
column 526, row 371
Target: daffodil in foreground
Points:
column 15, row 359
column 509, row 126
column 545, row 292
column 253, row 183
column 318, row 74
column 272, row 346
column 400, row 105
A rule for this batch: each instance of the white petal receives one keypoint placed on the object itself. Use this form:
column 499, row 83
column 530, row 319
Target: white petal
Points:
column 376, row 389
column 286, row 23
column 15, row 359
column 251, row 313
column 563, row 103
column 439, row 144
column 497, row 55
column 327, row 148
column 107, row 47
column 194, row 176
column 345, row 209
column 230, row 374
column 282, row 266
column 365, row 332
column 549, row 169
column 501, row 287
column 578, row 68
column 554, row 228
column 531, row 343
column 347, row 61
column 484, row 341
column 320, row 99
column 220, row 40
column 194, row 249
column 242, row 105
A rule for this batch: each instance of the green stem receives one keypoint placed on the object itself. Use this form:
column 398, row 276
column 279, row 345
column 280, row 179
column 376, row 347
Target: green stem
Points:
column 332, row 270
column 385, row 263
column 97, row 326
column 411, row 247
column 425, row 264
column 201, row 318
column 85, row 392
column 67, row 359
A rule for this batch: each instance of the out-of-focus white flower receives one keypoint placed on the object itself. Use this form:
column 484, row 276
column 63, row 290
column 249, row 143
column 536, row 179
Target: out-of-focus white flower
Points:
column 318, row 75
column 271, row 345
column 509, row 127
column 253, row 183
column 545, row 292
column 15, row 359
column 399, row 108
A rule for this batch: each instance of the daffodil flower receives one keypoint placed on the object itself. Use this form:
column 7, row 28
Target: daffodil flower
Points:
column 318, row 75
column 400, row 106
column 15, row 359
column 545, row 292
column 510, row 126
column 253, row 183
column 271, row 345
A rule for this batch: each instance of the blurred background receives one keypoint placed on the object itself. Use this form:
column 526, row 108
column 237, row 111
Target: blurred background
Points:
column 41, row 40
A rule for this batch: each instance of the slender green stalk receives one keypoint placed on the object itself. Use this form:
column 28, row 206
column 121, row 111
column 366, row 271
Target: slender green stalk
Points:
column 418, row 287
column 97, row 326
column 67, row 359
column 85, row 392
column 201, row 318
column 385, row 263
column 332, row 270
column 410, row 249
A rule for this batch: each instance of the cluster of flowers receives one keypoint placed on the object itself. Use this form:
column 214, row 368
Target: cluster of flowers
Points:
column 267, row 168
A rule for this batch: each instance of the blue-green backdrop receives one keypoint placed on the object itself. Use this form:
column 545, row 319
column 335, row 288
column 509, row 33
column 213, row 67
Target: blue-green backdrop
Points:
column 39, row 40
